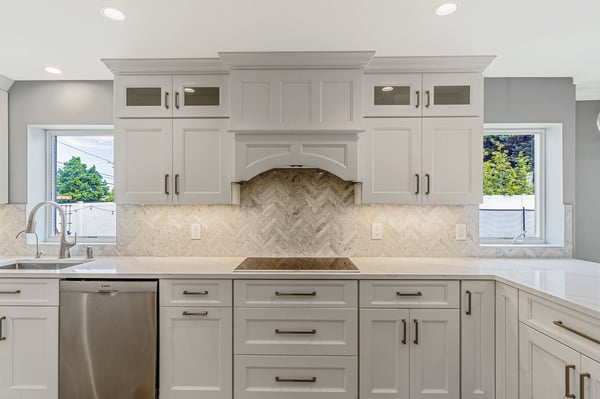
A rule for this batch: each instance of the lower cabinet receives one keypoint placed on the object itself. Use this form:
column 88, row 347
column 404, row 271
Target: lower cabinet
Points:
column 507, row 342
column 28, row 352
column 589, row 379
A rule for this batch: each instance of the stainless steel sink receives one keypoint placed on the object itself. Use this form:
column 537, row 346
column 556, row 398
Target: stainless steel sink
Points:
column 41, row 265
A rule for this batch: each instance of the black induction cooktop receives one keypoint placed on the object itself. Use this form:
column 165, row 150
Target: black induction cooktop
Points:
column 297, row 265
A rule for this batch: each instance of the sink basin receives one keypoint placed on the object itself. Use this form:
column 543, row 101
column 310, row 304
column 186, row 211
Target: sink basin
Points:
column 42, row 264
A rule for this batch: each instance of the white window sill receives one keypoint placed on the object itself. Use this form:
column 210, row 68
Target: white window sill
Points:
column 517, row 245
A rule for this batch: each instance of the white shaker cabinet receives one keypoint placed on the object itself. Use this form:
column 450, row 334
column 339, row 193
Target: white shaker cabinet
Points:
column 589, row 379
column 200, row 96
column 392, row 95
column 477, row 340
column 507, row 342
column 452, row 94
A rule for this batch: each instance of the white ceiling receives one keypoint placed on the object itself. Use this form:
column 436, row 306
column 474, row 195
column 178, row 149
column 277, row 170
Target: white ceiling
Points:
column 530, row 37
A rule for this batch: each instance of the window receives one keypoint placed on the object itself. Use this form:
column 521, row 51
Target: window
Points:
column 80, row 177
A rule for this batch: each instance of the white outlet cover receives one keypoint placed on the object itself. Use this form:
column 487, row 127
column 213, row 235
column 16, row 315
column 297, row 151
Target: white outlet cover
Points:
column 376, row 231
column 196, row 231
column 461, row 232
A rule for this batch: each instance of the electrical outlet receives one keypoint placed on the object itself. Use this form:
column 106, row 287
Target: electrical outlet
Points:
column 376, row 231
column 461, row 232
column 196, row 231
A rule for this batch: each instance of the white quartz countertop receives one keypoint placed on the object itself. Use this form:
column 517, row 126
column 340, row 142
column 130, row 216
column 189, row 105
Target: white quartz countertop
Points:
column 572, row 282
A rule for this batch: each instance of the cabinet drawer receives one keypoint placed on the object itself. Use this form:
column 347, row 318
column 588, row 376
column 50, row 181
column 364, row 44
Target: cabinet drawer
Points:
column 409, row 294
column 578, row 330
column 195, row 292
column 295, row 377
column 300, row 293
column 23, row 292
column 296, row 331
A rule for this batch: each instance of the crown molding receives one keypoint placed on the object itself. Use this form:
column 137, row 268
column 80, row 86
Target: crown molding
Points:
column 5, row 83
column 587, row 92
column 464, row 64
column 297, row 59
column 168, row 66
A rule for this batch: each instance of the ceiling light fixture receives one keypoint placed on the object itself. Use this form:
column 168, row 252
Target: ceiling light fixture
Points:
column 53, row 70
column 446, row 9
column 387, row 88
column 112, row 13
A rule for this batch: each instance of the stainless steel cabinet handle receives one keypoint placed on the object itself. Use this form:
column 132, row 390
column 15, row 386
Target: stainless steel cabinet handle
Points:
column 428, row 95
column 195, row 292
column 418, row 99
column 205, row 313
column 469, row 304
column 177, row 184
column 308, row 332
column 2, row 337
column 428, row 178
column 404, row 331
column 582, row 378
column 416, row 341
column 277, row 293
column 279, row 379
column 10, row 292
column 568, row 393
column 409, row 293
column 418, row 184
column 166, row 99
column 167, row 184
column 177, row 99
column 561, row 325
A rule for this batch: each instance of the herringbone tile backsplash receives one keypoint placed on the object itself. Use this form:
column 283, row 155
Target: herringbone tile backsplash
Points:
column 291, row 212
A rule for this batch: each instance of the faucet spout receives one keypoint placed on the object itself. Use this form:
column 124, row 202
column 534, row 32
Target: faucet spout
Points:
column 64, row 244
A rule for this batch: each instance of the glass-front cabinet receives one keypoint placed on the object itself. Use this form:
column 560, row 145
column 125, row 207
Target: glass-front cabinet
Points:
column 392, row 95
column 453, row 94
column 143, row 96
column 201, row 95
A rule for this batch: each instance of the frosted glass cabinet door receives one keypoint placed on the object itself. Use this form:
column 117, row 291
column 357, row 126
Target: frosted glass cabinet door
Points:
column 201, row 96
column 143, row 96
column 452, row 94
column 392, row 95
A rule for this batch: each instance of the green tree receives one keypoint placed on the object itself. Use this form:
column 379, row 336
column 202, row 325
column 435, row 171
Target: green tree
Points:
column 74, row 179
column 501, row 177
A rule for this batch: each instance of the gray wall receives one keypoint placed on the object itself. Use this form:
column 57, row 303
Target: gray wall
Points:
column 587, row 217
column 537, row 100
column 50, row 103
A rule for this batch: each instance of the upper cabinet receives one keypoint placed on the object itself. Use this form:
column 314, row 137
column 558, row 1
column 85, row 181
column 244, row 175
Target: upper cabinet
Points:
column 167, row 96
column 429, row 94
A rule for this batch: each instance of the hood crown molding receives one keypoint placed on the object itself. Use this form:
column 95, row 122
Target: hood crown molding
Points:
column 165, row 66
column 5, row 83
column 297, row 59
column 587, row 92
column 437, row 64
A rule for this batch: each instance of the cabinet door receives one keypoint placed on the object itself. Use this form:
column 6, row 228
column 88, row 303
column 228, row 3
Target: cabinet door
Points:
column 143, row 96
column 507, row 342
column 477, row 340
column 390, row 161
column 452, row 161
column 589, row 379
column 434, row 354
column 201, row 96
column 29, row 353
column 453, row 94
column 392, row 95
column 202, row 161
column 384, row 354
column 548, row 369
column 195, row 353
column 143, row 161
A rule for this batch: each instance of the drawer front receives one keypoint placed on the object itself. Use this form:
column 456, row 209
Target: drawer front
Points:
column 195, row 292
column 409, row 294
column 29, row 292
column 296, row 331
column 299, row 293
column 572, row 328
column 295, row 377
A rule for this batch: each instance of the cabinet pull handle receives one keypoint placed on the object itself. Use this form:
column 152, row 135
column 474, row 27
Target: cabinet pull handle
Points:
column 418, row 99
column 469, row 304
column 279, row 379
column 177, row 184
column 428, row 95
column 428, row 178
column 166, row 184
column 166, row 99
column 418, row 184
column 561, row 325
column 2, row 337
column 195, row 293
column 205, row 313
column 177, row 99
column 416, row 341
column 10, row 292
column 308, row 332
column 582, row 378
column 277, row 293
column 409, row 293
column 568, row 393
column 404, row 331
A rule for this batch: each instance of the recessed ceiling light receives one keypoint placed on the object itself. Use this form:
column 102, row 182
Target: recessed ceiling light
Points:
column 189, row 90
column 112, row 13
column 446, row 9
column 53, row 70
column 387, row 88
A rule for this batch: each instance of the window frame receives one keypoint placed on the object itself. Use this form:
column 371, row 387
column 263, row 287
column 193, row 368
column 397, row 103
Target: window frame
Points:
column 50, row 169
column 539, row 186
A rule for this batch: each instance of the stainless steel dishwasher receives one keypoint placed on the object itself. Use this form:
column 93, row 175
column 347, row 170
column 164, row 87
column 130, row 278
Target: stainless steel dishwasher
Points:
column 108, row 340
